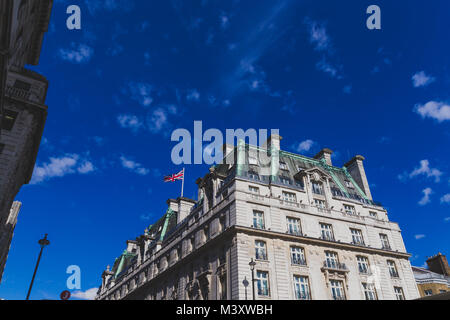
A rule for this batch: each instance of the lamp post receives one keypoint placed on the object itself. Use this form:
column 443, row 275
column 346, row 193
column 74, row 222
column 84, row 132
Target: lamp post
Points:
column 43, row 242
column 245, row 283
column 252, row 267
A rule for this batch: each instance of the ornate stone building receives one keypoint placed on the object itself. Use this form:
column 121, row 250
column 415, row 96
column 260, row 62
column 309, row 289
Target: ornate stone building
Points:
column 22, row 100
column 310, row 229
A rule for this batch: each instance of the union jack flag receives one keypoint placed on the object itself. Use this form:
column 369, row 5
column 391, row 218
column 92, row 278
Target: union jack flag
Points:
column 173, row 177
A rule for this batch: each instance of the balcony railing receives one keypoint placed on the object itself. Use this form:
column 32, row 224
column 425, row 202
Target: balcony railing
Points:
column 335, row 265
column 17, row 93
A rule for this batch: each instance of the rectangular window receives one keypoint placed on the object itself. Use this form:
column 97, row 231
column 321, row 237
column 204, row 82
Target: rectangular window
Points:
column 331, row 260
column 258, row 220
column 298, row 256
column 320, row 203
column 317, row 187
column 2, row 146
column 8, row 120
column 260, row 250
column 262, row 281
column 301, row 288
column 348, row 184
column 285, row 180
column 253, row 189
column 289, row 197
column 293, row 226
column 326, row 232
column 369, row 291
column 349, row 209
column 385, row 242
column 392, row 269
column 399, row 293
column 252, row 160
column 373, row 214
column 363, row 264
column 357, row 237
column 283, row 166
column 428, row 292
column 337, row 290
column 22, row 85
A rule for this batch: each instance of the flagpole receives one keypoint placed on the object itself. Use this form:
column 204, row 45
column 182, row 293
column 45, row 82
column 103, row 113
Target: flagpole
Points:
column 182, row 185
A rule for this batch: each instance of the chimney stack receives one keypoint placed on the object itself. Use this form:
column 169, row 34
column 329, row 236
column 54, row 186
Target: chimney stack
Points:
column 325, row 154
column 439, row 264
column 356, row 169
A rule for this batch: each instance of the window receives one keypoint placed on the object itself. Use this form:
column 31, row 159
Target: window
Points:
column 357, row 237
column 2, row 146
column 8, row 120
column 253, row 189
column 349, row 209
column 320, row 203
column 331, row 260
column 373, row 214
column 253, row 175
column 385, row 242
column 22, row 85
column 252, row 160
column 285, row 180
column 392, row 269
column 283, row 166
column 348, row 184
column 326, row 232
column 298, row 182
column 442, row 291
column 317, row 187
column 288, row 196
column 260, row 250
column 262, row 281
column 428, row 292
column 258, row 220
column 298, row 256
column 293, row 226
column 337, row 290
column 399, row 293
column 301, row 288
column 363, row 264
column 369, row 291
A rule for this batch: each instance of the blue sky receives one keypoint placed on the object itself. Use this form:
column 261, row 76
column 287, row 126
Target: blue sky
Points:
column 135, row 72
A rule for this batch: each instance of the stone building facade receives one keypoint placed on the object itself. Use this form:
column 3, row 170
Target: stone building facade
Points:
column 311, row 229
column 436, row 279
column 22, row 99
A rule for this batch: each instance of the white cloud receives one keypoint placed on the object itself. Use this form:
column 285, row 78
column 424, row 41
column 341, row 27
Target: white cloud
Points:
column 420, row 79
column 426, row 196
column 419, row 236
column 59, row 167
column 141, row 92
column 439, row 111
column 318, row 35
column 129, row 121
column 423, row 169
column 79, row 53
column 134, row 166
column 445, row 198
column 305, row 145
column 193, row 95
column 85, row 295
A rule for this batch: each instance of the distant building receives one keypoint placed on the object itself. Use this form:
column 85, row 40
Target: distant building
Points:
column 311, row 228
column 22, row 98
column 7, row 234
column 436, row 279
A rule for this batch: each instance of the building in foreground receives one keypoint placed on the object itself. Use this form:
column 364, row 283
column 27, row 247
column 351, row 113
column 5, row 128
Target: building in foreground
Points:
column 22, row 100
column 312, row 230
column 436, row 279
column 7, row 234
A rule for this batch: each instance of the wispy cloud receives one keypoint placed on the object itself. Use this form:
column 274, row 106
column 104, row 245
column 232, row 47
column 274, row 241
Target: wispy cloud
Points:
column 95, row 6
column 423, row 169
column 60, row 167
column 85, row 295
column 426, row 196
column 439, row 111
column 419, row 236
column 134, row 166
column 78, row 53
column 304, row 146
column 445, row 198
column 129, row 121
column 420, row 79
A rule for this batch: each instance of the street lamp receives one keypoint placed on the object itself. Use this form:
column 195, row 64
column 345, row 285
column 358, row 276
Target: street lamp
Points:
column 252, row 265
column 245, row 283
column 43, row 242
